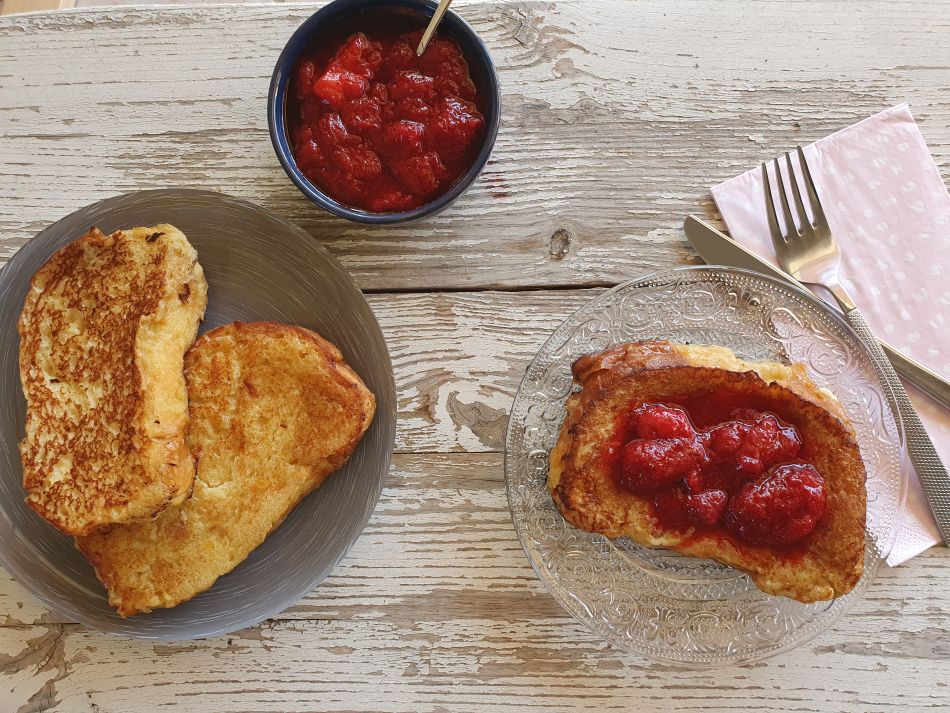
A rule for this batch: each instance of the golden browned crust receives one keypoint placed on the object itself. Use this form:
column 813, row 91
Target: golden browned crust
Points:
column 103, row 333
column 274, row 410
column 832, row 558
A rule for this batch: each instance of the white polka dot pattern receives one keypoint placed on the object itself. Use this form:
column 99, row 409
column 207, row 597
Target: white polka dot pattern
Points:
column 890, row 213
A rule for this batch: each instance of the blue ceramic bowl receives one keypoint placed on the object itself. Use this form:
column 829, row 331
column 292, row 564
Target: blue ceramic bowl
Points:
column 481, row 68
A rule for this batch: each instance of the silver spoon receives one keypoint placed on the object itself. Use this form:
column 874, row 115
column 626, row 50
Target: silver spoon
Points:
column 433, row 23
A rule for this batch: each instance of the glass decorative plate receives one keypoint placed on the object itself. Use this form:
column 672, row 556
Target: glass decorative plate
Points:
column 654, row 602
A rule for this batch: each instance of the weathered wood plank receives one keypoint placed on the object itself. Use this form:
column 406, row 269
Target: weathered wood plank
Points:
column 459, row 358
column 442, row 532
column 436, row 608
column 461, row 666
column 615, row 122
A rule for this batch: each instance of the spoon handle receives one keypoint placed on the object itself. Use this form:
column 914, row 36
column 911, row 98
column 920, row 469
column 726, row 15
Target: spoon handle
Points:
column 433, row 23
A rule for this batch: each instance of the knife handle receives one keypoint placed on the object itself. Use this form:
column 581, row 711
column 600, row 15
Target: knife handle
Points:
column 930, row 470
column 919, row 375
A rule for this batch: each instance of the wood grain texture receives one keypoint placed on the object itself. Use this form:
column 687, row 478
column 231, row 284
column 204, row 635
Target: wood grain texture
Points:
column 436, row 609
column 617, row 117
column 436, row 604
column 459, row 358
column 615, row 122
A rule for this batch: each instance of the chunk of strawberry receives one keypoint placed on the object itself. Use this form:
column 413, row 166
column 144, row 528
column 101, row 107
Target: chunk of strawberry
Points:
column 303, row 83
column 362, row 117
column 310, row 112
column 360, row 55
column 359, row 162
column 455, row 69
column 398, row 57
column 776, row 441
column 331, row 132
column 402, row 139
column 657, row 463
column 753, row 447
column 440, row 52
column 301, row 134
column 448, row 87
column 780, row 508
column 337, row 85
column 661, row 421
column 343, row 186
column 706, row 508
column 388, row 197
column 454, row 128
column 420, row 174
column 408, row 83
column 308, row 155
column 414, row 109
column 379, row 92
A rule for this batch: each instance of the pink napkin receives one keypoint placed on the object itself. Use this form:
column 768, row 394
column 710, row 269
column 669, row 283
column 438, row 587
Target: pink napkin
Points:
column 890, row 213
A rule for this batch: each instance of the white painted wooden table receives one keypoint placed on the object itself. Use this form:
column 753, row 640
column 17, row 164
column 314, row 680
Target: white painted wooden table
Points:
column 617, row 118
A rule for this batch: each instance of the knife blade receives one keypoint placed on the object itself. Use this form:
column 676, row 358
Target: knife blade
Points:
column 717, row 248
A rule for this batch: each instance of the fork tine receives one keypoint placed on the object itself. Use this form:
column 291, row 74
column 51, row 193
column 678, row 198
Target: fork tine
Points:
column 793, row 179
column 790, row 230
column 816, row 208
column 778, row 242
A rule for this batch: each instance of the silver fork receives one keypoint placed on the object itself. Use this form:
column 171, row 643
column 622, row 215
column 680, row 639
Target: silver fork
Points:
column 808, row 252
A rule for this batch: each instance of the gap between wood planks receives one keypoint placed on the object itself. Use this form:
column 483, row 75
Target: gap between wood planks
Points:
column 564, row 287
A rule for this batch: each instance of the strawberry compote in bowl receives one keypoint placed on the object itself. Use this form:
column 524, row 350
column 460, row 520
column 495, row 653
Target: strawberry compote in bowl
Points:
column 372, row 132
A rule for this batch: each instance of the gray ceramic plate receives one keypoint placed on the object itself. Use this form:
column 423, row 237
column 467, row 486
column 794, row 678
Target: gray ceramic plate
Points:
column 259, row 267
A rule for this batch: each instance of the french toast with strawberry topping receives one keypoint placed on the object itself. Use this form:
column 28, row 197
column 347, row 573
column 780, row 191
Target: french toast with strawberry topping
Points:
column 688, row 447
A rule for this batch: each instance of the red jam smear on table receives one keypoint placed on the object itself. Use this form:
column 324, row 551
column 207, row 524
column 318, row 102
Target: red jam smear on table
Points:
column 722, row 464
column 378, row 128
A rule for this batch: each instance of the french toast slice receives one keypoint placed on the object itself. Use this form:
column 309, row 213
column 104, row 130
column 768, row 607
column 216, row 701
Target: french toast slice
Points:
column 274, row 411
column 103, row 333
column 826, row 564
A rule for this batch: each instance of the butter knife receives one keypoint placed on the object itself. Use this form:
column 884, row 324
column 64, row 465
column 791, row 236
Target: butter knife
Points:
column 717, row 248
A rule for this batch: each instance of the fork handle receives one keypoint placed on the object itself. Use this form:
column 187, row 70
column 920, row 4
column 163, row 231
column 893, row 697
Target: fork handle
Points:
column 930, row 470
